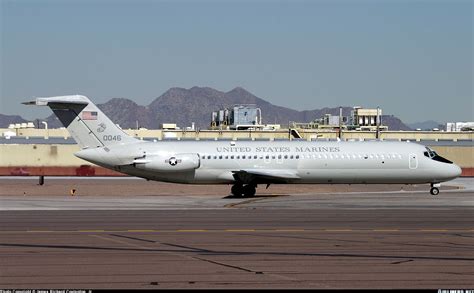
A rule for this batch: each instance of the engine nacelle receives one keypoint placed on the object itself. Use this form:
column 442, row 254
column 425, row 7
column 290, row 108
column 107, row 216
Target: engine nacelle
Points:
column 171, row 163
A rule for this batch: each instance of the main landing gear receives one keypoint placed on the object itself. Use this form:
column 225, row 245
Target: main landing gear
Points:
column 434, row 188
column 247, row 190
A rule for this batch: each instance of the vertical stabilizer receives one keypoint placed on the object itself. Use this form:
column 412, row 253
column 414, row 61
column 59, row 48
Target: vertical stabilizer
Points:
column 86, row 123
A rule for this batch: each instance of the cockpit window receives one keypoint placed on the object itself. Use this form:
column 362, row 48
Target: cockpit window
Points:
column 434, row 156
column 442, row 160
column 430, row 153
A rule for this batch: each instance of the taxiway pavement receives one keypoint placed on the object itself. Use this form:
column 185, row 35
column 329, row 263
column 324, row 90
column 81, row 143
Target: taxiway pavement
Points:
column 361, row 239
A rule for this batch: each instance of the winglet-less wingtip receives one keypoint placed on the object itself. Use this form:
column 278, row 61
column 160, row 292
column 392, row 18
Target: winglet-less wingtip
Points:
column 29, row 103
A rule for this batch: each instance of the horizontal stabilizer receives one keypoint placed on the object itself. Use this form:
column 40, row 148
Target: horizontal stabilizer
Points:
column 74, row 99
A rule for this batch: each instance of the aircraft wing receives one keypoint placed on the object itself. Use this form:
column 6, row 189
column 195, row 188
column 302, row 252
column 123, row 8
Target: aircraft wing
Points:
column 265, row 175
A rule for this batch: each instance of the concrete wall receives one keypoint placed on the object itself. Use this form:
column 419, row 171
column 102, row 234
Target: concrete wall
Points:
column 278, row 134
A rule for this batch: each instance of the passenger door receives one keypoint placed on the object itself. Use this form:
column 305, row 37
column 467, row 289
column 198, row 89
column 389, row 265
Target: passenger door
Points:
column 413, row 161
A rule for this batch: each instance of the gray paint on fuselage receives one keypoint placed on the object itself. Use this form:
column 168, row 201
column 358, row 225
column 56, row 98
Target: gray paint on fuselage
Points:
column 319, row 162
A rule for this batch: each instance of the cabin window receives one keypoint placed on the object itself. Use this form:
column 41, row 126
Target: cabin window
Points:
column 267, row 157
column 297, row 156
column 286, row 157
column 220, row 157
column 279, row 156
column 238, row 157
column 232, row 157
column 255, row 156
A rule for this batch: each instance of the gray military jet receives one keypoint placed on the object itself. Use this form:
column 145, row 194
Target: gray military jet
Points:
column 245, row 164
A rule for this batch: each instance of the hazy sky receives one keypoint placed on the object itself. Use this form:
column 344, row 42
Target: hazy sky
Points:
column 412, row 58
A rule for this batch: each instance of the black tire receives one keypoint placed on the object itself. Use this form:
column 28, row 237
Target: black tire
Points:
column 237, row 190
column 249, row 190
column 434, row 191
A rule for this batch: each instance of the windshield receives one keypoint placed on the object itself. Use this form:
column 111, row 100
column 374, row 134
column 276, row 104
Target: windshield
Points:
column 430, row 153
column 433, row 155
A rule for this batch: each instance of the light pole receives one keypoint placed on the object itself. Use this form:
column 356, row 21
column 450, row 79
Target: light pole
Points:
column 46, row 127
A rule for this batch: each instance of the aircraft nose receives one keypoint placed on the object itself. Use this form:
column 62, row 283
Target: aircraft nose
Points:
column 456, row 170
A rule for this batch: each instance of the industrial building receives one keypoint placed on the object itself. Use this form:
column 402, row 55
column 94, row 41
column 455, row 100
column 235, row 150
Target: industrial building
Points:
column 460, row 126
column 239, row 117
column 366, row 119
column 361, row 119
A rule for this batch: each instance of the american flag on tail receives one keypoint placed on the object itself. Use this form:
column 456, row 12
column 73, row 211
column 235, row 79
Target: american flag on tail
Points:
column 89, row 115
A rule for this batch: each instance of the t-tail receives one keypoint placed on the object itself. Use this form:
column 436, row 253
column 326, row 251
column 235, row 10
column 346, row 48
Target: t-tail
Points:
column 86, row 123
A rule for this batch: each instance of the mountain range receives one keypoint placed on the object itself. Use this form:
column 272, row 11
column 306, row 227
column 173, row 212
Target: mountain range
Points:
column 184, row 106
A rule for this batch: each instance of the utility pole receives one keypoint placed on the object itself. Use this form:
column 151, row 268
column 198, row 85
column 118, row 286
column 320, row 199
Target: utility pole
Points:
column 377, row 131
column 340, row 123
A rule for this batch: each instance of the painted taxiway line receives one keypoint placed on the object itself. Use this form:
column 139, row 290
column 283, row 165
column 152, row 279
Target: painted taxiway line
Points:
column 332, row 230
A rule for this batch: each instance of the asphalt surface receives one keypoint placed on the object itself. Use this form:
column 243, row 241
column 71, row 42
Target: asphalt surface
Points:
column 372, row 239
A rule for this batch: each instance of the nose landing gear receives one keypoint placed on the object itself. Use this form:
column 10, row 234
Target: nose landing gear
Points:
column 247, row 190
column 434, row 188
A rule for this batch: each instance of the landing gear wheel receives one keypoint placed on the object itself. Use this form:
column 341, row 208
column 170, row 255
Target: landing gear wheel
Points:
column 237, row 190
column 249, row 190
column 434, row 190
